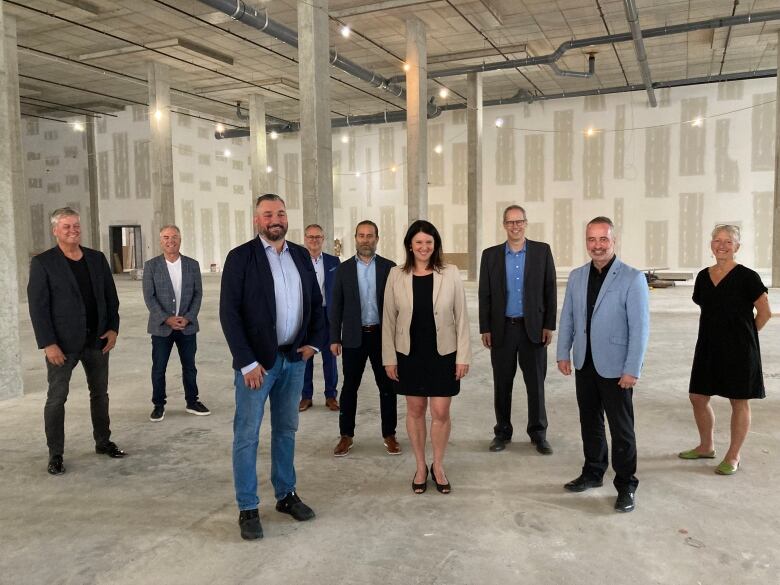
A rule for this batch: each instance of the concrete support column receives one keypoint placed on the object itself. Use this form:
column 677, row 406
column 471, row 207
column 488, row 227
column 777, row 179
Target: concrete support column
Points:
column 417, row 120
column 21, row 207
column 94, row 195
column 161, row 150
column 258, row 149
column 776, row 206
column 474, row 158
column 10, row 365
column 316, row 147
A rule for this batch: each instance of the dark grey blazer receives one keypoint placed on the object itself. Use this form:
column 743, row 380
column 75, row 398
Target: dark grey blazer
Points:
column 539, row 291
column 160, row 298
column 344, row 309
column 56, row 308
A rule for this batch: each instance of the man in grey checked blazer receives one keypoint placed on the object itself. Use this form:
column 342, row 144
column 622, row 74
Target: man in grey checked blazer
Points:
column 173, row 292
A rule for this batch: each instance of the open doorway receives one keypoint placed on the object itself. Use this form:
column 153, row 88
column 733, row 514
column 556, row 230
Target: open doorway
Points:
column 125, row 244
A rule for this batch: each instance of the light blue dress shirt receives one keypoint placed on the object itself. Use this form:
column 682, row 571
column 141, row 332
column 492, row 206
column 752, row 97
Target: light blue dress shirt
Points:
column 366, row 275
column 288, row 295
column 515, row 278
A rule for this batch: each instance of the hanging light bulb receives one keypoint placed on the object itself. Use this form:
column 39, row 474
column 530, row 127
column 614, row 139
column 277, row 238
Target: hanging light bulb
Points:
column 78, row 127
column 157, row 115
column 344, row 139
column 227, row 153
column 220, row 128
column 590, row 132
column 438, row 149
column 697, row 122
column 407, row 67
column 274, row 135
column 269, row 169
column 345, row 31
column 444, row 92
column 499, row 122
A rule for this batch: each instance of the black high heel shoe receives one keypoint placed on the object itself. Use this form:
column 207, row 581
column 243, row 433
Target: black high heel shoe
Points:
column 443, row 488
column 419, row 488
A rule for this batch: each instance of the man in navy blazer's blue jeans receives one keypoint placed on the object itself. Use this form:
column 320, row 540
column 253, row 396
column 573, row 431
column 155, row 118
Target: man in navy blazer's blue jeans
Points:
column 270, row 308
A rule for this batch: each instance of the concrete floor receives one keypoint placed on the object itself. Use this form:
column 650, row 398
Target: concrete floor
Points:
column 166, row 513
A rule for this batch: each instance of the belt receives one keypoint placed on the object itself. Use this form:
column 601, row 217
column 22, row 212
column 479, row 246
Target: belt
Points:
column 370, row 328
column 514, row 320
column 285, row 348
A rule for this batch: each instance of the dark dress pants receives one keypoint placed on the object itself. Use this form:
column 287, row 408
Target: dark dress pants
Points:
column 95, row 364
column 518, row 349
column 596, row 396
column 353, row 363
column 187, row 345
column 330, row 371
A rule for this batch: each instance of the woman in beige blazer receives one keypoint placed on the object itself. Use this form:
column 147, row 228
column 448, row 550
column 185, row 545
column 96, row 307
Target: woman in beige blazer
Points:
column 425, row 344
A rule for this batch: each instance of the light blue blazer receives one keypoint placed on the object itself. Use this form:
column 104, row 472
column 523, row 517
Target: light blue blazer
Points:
column 620, row 326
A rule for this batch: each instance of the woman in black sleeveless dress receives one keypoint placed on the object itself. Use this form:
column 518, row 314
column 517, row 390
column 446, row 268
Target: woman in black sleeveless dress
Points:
column 425, row 344
column 727, row 360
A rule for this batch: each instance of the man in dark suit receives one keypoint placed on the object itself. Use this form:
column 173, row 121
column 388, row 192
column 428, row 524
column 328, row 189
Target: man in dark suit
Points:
column 173, row 291
column 356, row 332
column 270, row 308
column 517, row 307
column 74, row 310
column 325, row 266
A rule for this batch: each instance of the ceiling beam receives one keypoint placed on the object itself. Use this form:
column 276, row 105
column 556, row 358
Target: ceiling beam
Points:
column 379, row 7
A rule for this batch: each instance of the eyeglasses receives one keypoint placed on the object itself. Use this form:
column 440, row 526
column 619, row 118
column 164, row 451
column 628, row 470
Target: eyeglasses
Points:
column 515, row 223
column 315, row 237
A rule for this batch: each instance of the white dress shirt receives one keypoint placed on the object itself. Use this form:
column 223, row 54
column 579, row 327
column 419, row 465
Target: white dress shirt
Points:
column 174, row 271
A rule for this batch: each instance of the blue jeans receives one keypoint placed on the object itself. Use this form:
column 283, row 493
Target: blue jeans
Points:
column 161, row 352
column 330, row 370
column 282, row 384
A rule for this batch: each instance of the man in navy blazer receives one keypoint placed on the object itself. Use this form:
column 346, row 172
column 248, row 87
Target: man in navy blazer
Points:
column 605, row 321
column 517, row 307
column 325, row 266
column 270, row 308
column 74, row 310
column 173, row 291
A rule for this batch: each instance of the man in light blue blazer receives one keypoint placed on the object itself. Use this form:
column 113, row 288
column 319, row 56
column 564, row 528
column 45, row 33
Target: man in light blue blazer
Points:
column 173, row 292
column 605, row 323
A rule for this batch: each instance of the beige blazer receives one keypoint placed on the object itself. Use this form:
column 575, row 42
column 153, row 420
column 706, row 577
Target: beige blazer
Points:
column 450, row 315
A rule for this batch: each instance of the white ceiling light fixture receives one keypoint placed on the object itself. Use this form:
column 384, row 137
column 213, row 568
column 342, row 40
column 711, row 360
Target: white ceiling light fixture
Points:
column 444, row 92
column 345, row 31
column 220, row 128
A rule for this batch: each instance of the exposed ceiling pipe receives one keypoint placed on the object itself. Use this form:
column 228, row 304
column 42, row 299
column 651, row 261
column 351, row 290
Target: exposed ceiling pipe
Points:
column 238, row 10
column 604, row 40
column 639, row 48
column 522, row 96
column 345, row 122
column 581, row 74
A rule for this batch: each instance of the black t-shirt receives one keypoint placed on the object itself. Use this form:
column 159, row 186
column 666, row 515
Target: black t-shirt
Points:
column 81, row 273
column 595, row 280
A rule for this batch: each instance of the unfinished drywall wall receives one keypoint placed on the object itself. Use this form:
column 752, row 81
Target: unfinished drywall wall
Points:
column 505, row 152
column 593, row 166
column 563, row 144
column 534, row 167
column 693, row 133
column 726, row 168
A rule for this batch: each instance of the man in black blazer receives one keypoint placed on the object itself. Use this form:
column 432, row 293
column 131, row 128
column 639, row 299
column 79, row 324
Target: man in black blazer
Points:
column 517, row 308
column 270, row 308
column 356, row 332
column 74, row 310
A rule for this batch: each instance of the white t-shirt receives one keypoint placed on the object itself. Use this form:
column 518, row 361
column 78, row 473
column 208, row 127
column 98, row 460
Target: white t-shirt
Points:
column 174, row 270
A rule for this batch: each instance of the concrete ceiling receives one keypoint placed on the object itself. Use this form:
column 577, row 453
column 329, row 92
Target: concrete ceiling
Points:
column 100, row 49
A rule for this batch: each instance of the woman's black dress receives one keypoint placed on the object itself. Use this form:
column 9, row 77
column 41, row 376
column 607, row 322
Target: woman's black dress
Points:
column 727, row 361
column 424, row 372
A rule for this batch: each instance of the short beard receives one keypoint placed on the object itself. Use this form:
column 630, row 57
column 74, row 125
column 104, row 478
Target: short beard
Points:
column 273, row 237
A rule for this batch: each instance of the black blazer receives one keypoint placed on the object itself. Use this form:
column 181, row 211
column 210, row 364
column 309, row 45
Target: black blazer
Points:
column 344, row 309
column 247, row 306
column 56, row 308
column 539, row 291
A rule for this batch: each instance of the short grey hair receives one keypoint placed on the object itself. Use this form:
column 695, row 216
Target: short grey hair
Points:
column 513, row 208
column 58, row 214
column 170, row 226
column 730, row 229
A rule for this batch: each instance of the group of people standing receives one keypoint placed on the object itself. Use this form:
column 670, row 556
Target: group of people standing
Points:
column 282, row 303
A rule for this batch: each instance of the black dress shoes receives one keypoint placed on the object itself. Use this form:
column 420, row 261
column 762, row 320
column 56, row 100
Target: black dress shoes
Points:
column 110, row 449
column 249, row 522
column 291, row 504
column 497, row 444
column 583, row 483
column 543, row 446
column 56, row 466
column 626, row 501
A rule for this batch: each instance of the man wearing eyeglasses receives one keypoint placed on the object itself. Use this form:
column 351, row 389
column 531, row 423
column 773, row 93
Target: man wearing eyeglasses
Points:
column 325, row 266
column 517, row 309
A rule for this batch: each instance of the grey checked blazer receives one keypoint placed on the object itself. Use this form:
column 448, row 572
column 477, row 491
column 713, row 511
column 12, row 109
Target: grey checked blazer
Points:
column 161, row 300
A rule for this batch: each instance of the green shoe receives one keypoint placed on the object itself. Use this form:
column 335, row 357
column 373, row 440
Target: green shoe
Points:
column 694, row 454
column 726, row 468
